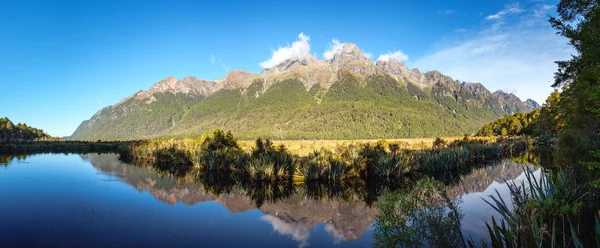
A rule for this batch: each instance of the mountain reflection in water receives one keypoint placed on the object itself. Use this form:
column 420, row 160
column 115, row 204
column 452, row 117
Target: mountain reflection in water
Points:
column 294, row 212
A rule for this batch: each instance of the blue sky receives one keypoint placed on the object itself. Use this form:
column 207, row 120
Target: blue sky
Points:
column 61, row 61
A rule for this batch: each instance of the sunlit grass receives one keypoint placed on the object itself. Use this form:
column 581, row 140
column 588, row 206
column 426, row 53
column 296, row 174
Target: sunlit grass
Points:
column 274, row 161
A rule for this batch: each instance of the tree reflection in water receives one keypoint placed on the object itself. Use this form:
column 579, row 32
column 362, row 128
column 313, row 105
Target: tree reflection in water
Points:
column 407, row 213
column 420, row 217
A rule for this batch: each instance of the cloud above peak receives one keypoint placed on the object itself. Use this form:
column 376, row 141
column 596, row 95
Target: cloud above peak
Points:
column 508, row 9
column 335, row 47
column 398, row 55
column 299, row 49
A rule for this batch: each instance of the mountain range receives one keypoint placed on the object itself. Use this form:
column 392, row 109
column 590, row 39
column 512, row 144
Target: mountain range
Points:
column 346, row 97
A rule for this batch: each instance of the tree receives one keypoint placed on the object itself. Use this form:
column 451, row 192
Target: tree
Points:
column 20, row 132
column 579, row 105
column 550, row 120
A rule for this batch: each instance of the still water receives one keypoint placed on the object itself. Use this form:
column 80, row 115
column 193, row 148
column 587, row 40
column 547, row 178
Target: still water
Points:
column 57, row 200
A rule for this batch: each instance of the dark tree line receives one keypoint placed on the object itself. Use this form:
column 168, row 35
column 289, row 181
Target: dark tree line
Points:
column 547, row 121
column 9, row 132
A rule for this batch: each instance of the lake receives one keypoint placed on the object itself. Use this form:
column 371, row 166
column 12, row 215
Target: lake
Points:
column 60, row 200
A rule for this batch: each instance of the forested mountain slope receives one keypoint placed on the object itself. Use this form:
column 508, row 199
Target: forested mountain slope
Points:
column 346, row 97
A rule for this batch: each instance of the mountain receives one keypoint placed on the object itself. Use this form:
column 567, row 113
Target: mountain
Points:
column 531, row 104
column 345, row 97
column 512, row 104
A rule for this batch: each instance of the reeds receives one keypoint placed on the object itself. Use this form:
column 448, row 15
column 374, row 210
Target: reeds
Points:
column 220, row 153
column 543, row 212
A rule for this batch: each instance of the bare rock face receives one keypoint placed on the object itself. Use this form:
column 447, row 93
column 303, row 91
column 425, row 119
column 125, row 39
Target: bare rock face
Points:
column 442, row 84
column 187, row 86
column 351, row 57
column 168, row 84
column 392, row 66
column 400, row 71
column 511, row 103
column 193, row 85
column 309, row 70
column 478, row 90
column 292, row 64
column 532, row 104
column 235, row 79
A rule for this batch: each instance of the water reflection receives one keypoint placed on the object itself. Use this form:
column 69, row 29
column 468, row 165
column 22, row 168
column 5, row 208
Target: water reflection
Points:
column 264, row 214
column 347, row 211
column 296, row 231
column 5, row 160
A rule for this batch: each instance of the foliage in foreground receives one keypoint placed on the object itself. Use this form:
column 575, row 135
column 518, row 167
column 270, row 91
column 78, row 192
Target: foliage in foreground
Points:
column 544, row 213
column 420, row 217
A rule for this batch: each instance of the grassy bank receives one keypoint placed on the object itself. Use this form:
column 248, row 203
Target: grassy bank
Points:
column 268, row 161
column 306, row 147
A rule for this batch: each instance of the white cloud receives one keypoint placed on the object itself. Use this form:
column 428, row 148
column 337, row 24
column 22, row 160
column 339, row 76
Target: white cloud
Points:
column 542, row 9
column 224, row 66
column 518, row 55
column 334, row 48
column 508, row 9
column 296, row 231
column 297, row 50
column 214, row 60
column 460, row 30
column 398, row 55
column 446, row 12
column 338, row 235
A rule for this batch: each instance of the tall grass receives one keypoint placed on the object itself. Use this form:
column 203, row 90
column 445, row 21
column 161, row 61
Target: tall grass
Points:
column 544, row 213
column 220, row 152
column 321, row 166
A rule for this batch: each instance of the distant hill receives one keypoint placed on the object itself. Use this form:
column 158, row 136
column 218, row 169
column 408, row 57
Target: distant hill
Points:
column 9, row 132
column 346, row 97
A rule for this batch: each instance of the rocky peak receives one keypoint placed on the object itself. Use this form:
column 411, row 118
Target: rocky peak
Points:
column 532, row 104
column 236, row 79
column 392, row 66
column 291, row 64
column 349, row 53
column 510, row 102
column 433, row 75
column 500, row 94
column 481, row 93
column 196, row 86
column 437, row 78
column 398, row 69
column 477, row 89
column 351, row 57
column 188, row 85
column 167, row 84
